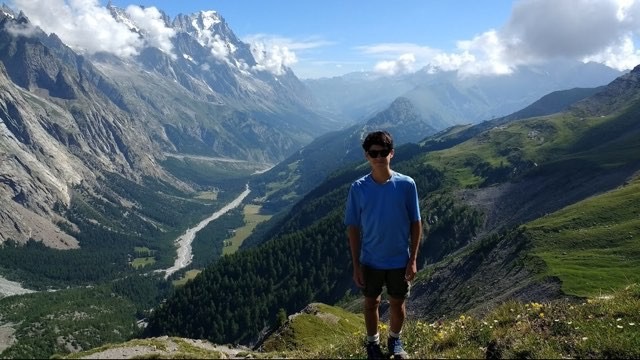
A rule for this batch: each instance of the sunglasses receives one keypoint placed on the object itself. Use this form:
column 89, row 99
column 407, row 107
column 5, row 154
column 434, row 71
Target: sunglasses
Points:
column 375, row 153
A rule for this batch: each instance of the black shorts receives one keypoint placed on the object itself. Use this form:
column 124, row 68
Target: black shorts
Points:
column 374, row 279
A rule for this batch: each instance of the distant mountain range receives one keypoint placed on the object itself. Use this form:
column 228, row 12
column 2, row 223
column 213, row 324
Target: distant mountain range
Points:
column 443, row 98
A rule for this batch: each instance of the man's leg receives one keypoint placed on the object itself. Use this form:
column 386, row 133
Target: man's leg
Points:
column 397, row 314
column 371, row 314
column 398, row 289
column 373, row 280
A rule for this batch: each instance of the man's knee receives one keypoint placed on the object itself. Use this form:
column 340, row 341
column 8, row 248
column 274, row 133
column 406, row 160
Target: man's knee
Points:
column 371, row 303
column 396, row 303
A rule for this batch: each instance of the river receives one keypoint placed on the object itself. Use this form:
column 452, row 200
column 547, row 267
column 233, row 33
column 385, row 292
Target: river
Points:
column 185, row 254
column 9, row 288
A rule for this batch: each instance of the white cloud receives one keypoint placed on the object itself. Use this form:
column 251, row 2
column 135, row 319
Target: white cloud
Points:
column 219, row 48
column 273, row 58
column 562, row 28
column 403, row 65
column 405, row 57
column 20, row 29
column 484, row 54
column 624, row 56
column 151, row 22
column 291, row 44
column 537, row 31
column 81, row 24
column 88, row 27
column 275, row 54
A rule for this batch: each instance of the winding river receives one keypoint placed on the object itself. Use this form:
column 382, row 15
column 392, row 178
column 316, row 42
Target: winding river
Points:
column 185, row 254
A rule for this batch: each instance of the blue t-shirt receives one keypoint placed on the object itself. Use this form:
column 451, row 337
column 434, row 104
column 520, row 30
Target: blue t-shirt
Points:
column 383, row 213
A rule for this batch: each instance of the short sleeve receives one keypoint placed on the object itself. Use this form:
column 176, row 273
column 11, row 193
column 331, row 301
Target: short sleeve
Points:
column 352, row 212
column 413, row 203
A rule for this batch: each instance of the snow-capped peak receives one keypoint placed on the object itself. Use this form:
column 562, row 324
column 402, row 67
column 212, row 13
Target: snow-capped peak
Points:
column 209, row 18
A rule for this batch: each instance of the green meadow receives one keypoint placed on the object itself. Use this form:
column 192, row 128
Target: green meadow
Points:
column 593, row 246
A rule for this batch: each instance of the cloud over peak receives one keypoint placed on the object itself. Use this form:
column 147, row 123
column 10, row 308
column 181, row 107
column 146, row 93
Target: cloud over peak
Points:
column 88, row 27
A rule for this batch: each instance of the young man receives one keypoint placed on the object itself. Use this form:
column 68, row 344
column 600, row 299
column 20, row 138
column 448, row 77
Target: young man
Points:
column 384, row 229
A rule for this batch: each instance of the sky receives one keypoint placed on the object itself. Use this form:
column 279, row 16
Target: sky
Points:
column 334, row 37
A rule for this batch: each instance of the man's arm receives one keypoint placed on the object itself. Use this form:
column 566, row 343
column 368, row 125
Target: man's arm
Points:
column 416, row 236
column 353, row 232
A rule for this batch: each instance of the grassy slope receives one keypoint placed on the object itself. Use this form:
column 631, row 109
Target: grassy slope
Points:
column 593, row 246
column 595, row 328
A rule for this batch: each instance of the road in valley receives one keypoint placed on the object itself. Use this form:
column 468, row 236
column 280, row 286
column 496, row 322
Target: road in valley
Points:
column 185, row 254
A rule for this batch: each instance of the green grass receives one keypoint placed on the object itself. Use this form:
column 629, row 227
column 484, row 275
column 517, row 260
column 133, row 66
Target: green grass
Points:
column 189, row 275
column 315, row 331
column 142, row 262
column 537, row 140
column 141, row 249
column 592, row 246
column 208, row 172
column 285, row 179
column 207, row 195
column 166, row 348
column 252, row 218
column 597, row 328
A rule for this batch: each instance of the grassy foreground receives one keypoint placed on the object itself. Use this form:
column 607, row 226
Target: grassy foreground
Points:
column 603, row 327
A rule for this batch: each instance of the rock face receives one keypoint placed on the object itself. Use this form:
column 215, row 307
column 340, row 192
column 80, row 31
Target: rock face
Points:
column 46, row 149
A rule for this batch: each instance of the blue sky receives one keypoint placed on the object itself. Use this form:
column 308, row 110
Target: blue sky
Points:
column 334, row 37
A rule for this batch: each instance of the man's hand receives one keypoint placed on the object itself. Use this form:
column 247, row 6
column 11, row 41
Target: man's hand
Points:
column 411, row 271
column 358, row 278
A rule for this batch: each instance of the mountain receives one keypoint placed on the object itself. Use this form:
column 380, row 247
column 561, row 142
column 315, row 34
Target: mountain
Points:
column 227, row 104
column 288, row 181
column 535, row 209
column 59, row 130
column 446, row 98
column 70, row 119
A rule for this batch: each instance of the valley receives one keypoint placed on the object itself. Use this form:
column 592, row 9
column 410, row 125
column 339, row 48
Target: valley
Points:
column 185, row 196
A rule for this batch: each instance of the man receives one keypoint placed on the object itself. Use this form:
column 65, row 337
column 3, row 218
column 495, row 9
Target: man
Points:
column 384, row 229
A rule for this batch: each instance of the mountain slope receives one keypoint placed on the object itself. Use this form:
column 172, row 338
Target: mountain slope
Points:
column 474, row 197
column 297, row 175
column 598, row 328
column 58, row 129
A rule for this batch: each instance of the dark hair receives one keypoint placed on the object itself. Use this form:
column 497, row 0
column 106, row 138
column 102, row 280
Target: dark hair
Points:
column 382, row 138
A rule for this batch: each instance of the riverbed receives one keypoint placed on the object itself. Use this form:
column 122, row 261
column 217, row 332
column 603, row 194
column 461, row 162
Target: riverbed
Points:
column 10, row 288
column 183, row 242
